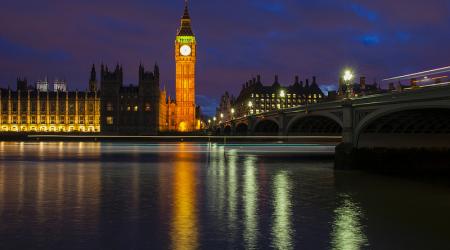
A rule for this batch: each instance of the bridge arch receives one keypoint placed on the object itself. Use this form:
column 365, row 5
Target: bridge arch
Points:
column 317, row 123
column 227, row 130
column 266, row 127
column 241, row 129
column 314, row 125
column 405, row 126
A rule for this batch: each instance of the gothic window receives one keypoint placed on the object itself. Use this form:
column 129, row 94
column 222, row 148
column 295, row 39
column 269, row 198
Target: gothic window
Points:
column 109, row 120
column 136, row 108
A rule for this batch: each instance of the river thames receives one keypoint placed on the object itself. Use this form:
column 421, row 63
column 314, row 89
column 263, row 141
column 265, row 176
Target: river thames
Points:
column 80, row 195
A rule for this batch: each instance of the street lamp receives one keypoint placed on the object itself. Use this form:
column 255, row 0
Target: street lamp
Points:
column 232, row 113
column 221, row 115
column 348, row 77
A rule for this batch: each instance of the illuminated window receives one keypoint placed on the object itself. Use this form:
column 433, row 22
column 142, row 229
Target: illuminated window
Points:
column 109, row 107
column 136, row 108
column 147, row 107
column 128, row 108
column 109, row 120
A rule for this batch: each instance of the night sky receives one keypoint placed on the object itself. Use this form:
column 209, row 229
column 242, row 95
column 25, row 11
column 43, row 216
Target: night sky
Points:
column 237, row 39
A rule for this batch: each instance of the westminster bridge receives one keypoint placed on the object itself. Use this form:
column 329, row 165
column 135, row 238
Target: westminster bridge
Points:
column 413, row 118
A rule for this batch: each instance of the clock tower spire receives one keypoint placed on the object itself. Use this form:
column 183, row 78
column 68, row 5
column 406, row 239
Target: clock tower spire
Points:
column 185, row 60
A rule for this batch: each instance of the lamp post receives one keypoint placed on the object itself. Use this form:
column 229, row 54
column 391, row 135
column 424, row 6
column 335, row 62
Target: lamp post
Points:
column 348, row 77
column 232, row 113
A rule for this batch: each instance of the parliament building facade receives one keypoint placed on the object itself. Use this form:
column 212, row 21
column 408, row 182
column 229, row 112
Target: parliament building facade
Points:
column 111, row 107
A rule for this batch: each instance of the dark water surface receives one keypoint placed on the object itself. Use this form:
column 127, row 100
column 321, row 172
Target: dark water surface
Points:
column 190, row 196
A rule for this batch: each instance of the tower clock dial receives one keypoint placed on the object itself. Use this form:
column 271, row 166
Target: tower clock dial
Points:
column 185, row 50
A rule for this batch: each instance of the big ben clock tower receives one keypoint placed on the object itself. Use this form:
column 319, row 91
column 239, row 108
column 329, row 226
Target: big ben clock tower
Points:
column 185, row 57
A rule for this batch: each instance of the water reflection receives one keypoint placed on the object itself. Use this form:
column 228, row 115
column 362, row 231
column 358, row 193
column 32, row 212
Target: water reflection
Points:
column 184, row 219
column 183, row 196
column 2, row 189
column 40, row 206
column 282, row 226
column 232, row 191
column 348, row 231
column 250, row 203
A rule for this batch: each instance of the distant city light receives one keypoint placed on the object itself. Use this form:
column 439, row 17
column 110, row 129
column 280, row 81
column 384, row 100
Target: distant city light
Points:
column 214, row 118
column 221, row 115
column 232, row 111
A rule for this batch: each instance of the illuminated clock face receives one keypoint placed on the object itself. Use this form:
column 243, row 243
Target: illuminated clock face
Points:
column 185, row 50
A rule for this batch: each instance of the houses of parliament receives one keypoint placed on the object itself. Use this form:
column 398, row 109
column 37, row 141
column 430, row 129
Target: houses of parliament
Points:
column 108, row 106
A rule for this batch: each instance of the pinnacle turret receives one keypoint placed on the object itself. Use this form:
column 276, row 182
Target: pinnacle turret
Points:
column 185, row 29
